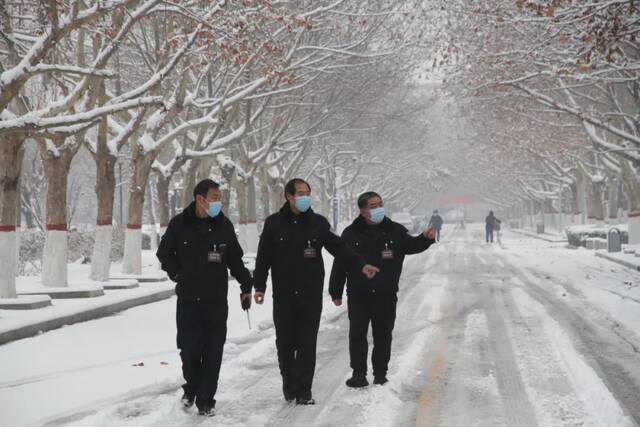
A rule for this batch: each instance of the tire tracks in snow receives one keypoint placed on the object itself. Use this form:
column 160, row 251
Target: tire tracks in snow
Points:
column 471, row 371
column 612, row 359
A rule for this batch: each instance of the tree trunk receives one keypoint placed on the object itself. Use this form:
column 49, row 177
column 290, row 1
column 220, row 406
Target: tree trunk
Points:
column 582, row 197
column 162, row 188
column 105, row 194
column 141, row 166
column 252, row 217
column 612, row 197
column 594, row 202
column 243, row 214
column 9, row 175
column 54, row 255
column 265, row 199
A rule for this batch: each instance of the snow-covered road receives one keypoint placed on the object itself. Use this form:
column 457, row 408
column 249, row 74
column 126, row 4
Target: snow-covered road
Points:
column 523, row 333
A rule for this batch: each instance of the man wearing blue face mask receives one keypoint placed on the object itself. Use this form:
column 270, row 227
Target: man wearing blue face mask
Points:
column 290, row 246
column 197, row 249
column 384, row 244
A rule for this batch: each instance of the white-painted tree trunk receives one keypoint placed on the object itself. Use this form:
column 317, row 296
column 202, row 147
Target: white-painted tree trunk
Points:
column 54, row 259
column 252, row 238
column 243, row 237
column 17, row 248
column 132, row 259
column 101, row 256
column 634, row 230
column 8, row 263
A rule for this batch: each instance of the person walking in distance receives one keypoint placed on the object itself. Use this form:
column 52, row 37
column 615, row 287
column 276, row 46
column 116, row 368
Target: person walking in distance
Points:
column 491, row 224
column 436, row 224
column 197, row 249
column 290, row 246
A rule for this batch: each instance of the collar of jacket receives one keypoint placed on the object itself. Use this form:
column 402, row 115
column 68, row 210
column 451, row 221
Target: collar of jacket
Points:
column 286, row 211
column 359, row 224
column 190, row 216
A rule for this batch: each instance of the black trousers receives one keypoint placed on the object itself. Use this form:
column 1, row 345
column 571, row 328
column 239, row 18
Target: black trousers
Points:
column 380, row 311
column 202, row 331
column 296, row 319
column 489, row 233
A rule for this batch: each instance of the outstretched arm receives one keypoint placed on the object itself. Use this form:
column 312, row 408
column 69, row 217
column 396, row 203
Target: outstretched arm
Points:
column 420, row 243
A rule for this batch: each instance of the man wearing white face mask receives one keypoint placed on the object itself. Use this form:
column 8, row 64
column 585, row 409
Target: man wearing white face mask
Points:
column 196, row 251
column 290, row 246
column 384, row 244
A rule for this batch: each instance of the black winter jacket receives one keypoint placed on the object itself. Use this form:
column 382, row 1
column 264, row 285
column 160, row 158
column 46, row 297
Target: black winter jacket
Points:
column 374, row 242
column 284, row 244
column 185, row 254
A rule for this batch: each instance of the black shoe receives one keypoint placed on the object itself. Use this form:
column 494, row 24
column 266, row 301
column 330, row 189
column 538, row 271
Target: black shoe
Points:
column 305, row 401
column 187, row 401
column 288, row 395
column 207, row 411
column 357, row 380
column 380, row 379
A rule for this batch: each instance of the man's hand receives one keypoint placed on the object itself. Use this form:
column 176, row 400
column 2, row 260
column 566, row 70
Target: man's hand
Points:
column 429, row 233
column 245, row 301
column 337, row 302
column 370, row 271
column 259, row 297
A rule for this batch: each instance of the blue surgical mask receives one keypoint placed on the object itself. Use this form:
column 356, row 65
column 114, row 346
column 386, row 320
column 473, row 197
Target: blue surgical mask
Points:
column 377, row 215
column 214, row 209
column 303, row 203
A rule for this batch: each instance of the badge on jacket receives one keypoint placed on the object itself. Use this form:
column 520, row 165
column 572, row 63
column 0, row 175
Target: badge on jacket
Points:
column 215, row 255
column 387, row 253
column 310, row 251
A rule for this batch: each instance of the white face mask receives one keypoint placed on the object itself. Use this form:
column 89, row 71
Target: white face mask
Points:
column 376, row 215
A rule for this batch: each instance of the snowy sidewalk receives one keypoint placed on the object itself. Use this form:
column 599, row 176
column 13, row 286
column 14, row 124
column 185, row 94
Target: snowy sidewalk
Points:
column 628, row 258
column 547, row 237
column 68, row 307
column 17, row 324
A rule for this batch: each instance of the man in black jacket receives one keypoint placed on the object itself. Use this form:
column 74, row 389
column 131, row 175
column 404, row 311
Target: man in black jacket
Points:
column 383, row 243
column 291, row 245
column 196, row 250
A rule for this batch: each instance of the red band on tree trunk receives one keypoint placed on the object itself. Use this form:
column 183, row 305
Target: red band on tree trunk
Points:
column 134, row 226
column 164, row 225
column 57, row 227
column 104, row 222
column 7, row 228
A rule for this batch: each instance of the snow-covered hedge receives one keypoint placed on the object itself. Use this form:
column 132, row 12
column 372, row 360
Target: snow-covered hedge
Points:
column 577, row 235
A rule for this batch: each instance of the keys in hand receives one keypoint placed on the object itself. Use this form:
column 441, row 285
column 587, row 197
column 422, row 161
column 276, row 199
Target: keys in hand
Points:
column 245, row 301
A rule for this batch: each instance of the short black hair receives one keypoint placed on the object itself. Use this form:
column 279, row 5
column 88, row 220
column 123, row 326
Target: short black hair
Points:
column 203, row 187
column 364, row 198
column 290, row 188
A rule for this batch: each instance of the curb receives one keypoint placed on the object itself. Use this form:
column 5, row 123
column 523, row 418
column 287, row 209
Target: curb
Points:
column 619, row 261
column 539, row 236
column 90, row 314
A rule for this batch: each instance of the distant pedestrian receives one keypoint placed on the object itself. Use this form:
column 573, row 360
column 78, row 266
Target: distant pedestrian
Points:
column 436, row 224
column 491, row 224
